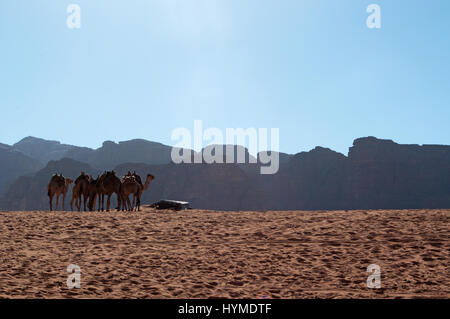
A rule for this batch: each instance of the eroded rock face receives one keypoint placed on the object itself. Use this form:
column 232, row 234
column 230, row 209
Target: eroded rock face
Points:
column 30, row 192
column 14, row 164
column 42, row 150
column 112, row 154
column 377, row 174
column 219, row 186
column 383, row 174
column 109, row 155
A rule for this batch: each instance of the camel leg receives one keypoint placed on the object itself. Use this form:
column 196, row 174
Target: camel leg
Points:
column 84, row 202
column 57, row 201
column 122, row 202
column 125, row 203
column 128, row 204
column 138, row 203
column 108, row 202
column 134, row 202
column 139, row 194
column 63, row 199
column 51, row 200
column 94, row 202
column 99, row 200
column 103, row 202
column 89, row 204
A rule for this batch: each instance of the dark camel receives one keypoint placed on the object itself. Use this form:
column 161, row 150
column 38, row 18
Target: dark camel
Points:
column 93, row 192
column 132, row 184
column 109, row 184
column 58, row 185
column 80, row 191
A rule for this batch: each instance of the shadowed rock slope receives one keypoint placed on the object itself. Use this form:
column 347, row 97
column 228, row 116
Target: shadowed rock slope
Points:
column 377, row 174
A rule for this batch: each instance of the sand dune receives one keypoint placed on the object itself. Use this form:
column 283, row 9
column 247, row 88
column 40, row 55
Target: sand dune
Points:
column 202, row 254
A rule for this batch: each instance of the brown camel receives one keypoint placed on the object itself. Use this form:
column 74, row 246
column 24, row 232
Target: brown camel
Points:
column 58, row 185
column 109, row 184
column 80, row 190
column 93, row 191
column 130, row 186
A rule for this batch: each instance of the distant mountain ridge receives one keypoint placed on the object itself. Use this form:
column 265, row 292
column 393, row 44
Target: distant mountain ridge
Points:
column 30, row 192
column 4, row 146
column 376, row 174
column 42, row 150
column 112, row 154
column 14, row 164
column 107, row 156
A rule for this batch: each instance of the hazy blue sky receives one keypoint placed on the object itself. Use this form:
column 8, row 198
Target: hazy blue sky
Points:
column 139, row 69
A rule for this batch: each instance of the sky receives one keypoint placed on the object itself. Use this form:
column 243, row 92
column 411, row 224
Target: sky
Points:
column 142, row 68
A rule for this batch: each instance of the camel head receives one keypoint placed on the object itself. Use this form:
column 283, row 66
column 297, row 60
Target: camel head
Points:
column 68, row 181
column 149, row 178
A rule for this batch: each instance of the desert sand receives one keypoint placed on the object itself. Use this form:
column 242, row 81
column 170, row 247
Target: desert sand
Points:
column 210, row 254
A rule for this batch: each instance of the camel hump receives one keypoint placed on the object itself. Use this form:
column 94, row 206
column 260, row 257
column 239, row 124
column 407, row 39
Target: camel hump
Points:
column 57, row 178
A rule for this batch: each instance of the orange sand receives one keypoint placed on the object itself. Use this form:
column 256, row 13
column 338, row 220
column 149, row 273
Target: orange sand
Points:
column 201, row 254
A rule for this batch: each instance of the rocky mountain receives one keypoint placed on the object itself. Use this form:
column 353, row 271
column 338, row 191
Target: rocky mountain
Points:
column 107, row 156
column 384, row 174
column 376, row 174
column 215, row 186
column 4, row 146
column 30, row 192
column 309, row 180
column 42, row 150
column 14, row 164
column 112, row 154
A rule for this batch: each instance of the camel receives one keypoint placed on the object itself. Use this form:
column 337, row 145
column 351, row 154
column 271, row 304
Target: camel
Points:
column 80, row 190
column 93, row 191
column 58, row 185
column 129, row 186
column 109, row 184
column 132, row 184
